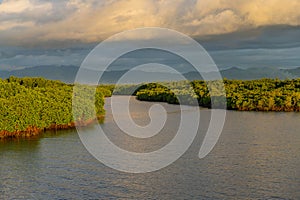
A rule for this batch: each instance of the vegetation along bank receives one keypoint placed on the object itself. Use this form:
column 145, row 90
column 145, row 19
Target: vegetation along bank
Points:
column 29, row 106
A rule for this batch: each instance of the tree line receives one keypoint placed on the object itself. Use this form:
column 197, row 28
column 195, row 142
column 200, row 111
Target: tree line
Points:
column 254, row 95
column 29, row 106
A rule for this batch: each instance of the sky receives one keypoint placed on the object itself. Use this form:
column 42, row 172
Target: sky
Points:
column 36, row 21
column 63, row 31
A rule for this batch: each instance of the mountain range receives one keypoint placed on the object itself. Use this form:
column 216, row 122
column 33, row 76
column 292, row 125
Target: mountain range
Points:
column 68, row 73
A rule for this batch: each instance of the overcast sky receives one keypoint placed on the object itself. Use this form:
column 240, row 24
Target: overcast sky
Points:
column 223, row 26
column 34, row 21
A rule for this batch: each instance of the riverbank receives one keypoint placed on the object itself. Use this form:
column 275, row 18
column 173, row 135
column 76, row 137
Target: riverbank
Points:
column 256, row 95
column 30, row 106
column 34, row 131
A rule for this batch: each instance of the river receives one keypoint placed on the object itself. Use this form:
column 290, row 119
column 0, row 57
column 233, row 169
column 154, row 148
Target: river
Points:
column 257, row 157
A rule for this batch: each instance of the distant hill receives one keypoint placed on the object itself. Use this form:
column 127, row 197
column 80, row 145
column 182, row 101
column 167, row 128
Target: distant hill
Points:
column 63, row 73
column 250, row 73
column 68, row 73
column 256, row 73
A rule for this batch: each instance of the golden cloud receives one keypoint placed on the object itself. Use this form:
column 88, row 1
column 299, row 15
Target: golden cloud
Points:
column 89, row 21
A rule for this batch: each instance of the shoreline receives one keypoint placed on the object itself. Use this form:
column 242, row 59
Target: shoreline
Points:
column 275, row 109
column 34, row 131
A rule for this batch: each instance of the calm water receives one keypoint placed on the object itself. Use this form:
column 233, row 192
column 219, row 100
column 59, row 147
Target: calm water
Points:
column 256, row 157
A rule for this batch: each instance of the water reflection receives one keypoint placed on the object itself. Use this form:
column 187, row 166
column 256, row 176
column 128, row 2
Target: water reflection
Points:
column 257, row 157
column 20, row 162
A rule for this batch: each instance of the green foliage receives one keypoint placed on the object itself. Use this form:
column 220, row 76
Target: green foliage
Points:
column 126, row 89
column 106, row 90
column 263, row 95
column 41, row 103
column 256, row 95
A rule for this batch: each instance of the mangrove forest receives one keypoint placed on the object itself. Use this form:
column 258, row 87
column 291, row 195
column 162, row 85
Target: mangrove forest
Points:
column 255, row 95
column 30, row 106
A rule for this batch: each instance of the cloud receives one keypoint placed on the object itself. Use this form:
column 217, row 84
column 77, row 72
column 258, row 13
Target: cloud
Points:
column 31, row 22
column 12, row 58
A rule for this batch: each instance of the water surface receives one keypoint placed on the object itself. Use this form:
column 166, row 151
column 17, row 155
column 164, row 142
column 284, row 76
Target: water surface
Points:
column 256, row 157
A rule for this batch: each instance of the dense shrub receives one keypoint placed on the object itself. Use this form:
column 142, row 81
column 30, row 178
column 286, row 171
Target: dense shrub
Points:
column 256, row 95
column 41, row 103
